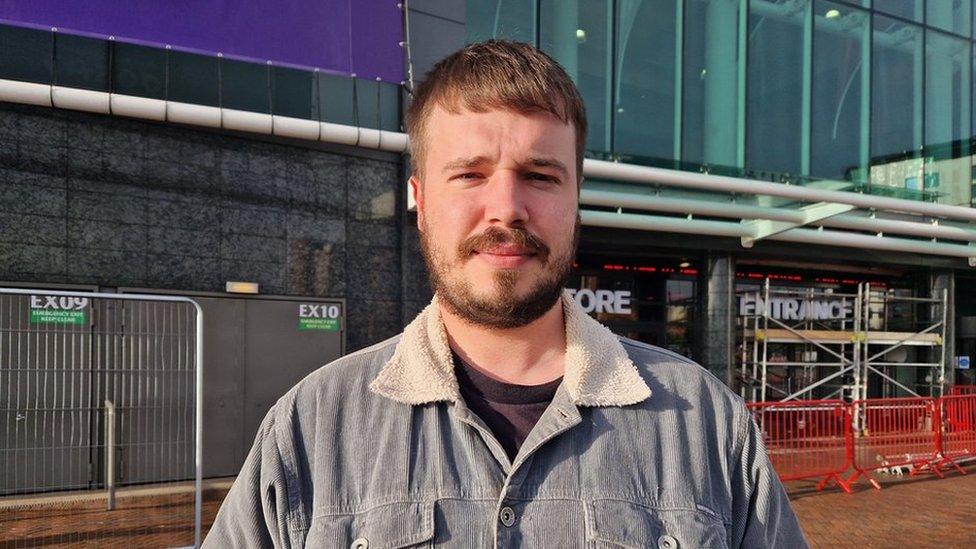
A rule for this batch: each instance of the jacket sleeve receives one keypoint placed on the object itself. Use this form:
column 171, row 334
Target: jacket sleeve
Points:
column 254, row 512
column 762, row 515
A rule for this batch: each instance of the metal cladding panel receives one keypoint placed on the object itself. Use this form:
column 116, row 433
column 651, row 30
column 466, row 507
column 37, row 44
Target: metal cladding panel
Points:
column 359, row 37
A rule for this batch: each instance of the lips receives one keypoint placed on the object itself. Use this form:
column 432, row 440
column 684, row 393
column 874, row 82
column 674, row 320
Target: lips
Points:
column 506, row 250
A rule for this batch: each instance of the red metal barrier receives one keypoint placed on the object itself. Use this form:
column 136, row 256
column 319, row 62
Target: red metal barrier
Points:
column 957, row 440
column 891, row 433
column 806, row 439
column 955, row 390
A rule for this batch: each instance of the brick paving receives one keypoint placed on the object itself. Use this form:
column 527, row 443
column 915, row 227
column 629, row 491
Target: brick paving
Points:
column 908, row 512
column 921, row 511
column 141, row 519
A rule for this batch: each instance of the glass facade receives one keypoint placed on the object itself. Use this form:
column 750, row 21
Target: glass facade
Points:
column 46, row 57
column 868, row 95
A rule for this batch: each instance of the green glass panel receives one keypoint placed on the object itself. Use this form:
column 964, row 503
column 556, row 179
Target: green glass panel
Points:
column 950, row 15
column 367, row 103
column 336, row 99
column 511, row 19
column 193, row 79
column 138, row 70
column 947, row 117
column 244, row 86
column 293, row 93
column 576, row 33
column 26, row 54
column 710, row 86
column 896, row 106
column 841, row 43
column 896, row 118
column 907, row 9
column 775, row 88
column 389, row 107
column 80, row 62
column 645, row 87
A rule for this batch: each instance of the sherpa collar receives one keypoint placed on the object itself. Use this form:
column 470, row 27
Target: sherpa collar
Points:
column 598, row 370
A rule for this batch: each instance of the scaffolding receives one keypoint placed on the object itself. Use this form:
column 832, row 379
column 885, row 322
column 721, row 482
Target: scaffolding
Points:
column 814, row 343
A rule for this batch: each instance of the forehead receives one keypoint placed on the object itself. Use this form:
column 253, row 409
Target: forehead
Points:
column 497, row 134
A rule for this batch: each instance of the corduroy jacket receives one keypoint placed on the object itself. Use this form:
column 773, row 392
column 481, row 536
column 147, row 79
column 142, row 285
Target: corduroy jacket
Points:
column 639, row 448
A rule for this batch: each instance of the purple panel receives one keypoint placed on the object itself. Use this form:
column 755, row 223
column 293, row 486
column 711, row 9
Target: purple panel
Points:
column 345, row 36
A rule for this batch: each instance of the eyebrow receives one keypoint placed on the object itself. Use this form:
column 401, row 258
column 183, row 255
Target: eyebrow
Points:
column 534, row 161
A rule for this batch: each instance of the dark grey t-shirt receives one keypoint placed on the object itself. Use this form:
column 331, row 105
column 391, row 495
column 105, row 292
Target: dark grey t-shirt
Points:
column 509, row 410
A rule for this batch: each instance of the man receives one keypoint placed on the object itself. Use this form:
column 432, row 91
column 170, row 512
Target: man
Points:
column 504, row 416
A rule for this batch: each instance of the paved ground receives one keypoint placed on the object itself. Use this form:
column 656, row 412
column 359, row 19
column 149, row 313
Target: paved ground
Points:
column 909, row 512
column 914, row 512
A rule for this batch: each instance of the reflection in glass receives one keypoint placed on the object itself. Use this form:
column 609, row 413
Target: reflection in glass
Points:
column 80, row 62
column 576, row 33
column 908, row 9
column 138, row 70
column 774, row 102
column 244, row 86
column 896, row 90
column 951, row 15
column 26, row 54
column 511, row 19
column 841, row 72
column 710, row 85
column 644, row 92
column 948, row 172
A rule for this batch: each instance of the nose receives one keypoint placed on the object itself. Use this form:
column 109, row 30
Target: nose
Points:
column 505, row 200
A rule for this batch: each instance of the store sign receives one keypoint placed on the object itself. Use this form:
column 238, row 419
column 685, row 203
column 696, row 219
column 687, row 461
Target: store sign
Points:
column 50, row 309
column 786, row 308
column 603, row 301
column 323, row 317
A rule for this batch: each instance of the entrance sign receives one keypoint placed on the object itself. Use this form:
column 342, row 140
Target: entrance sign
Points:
column 603, row 301
column 787, row 308
column 50, row 309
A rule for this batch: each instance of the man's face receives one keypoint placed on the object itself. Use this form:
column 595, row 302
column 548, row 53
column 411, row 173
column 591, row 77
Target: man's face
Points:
column 497, row 212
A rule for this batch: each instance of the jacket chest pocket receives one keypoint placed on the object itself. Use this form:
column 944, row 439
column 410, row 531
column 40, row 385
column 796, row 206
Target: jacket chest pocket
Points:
column 406, row 524
column 616, row 523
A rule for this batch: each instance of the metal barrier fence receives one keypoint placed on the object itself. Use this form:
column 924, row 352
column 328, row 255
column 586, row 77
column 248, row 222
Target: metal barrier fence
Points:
column 962, row 390
column 957, row 437
column 97, row 391
column 825, row 438
column 895, row 433
column 806, row 439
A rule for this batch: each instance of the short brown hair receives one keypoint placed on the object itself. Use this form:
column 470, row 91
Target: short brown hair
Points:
column 496, row 74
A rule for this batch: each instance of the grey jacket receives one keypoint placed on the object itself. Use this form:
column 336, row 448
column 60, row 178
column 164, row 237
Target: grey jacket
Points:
column 639, row 448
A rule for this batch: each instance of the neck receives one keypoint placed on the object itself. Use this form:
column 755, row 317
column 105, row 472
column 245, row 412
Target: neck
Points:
column 529, row 355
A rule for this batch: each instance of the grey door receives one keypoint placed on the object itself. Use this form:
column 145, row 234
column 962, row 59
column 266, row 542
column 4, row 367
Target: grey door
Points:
column 283, row 346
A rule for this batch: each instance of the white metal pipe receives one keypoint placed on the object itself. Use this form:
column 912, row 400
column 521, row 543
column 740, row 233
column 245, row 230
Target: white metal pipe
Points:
column 602, row 169
column 615, row 199
column 806, row 236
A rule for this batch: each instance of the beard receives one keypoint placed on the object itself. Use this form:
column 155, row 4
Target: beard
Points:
column 503, row 308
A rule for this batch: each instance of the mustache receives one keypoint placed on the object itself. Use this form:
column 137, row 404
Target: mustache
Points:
column 493, row 236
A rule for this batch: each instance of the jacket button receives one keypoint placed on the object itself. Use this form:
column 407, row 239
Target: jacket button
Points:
column 359, row 543
column 507, row 516
column 667, row 542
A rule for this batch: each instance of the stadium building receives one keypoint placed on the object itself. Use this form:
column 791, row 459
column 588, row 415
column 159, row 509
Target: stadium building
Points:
column 780, row 189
